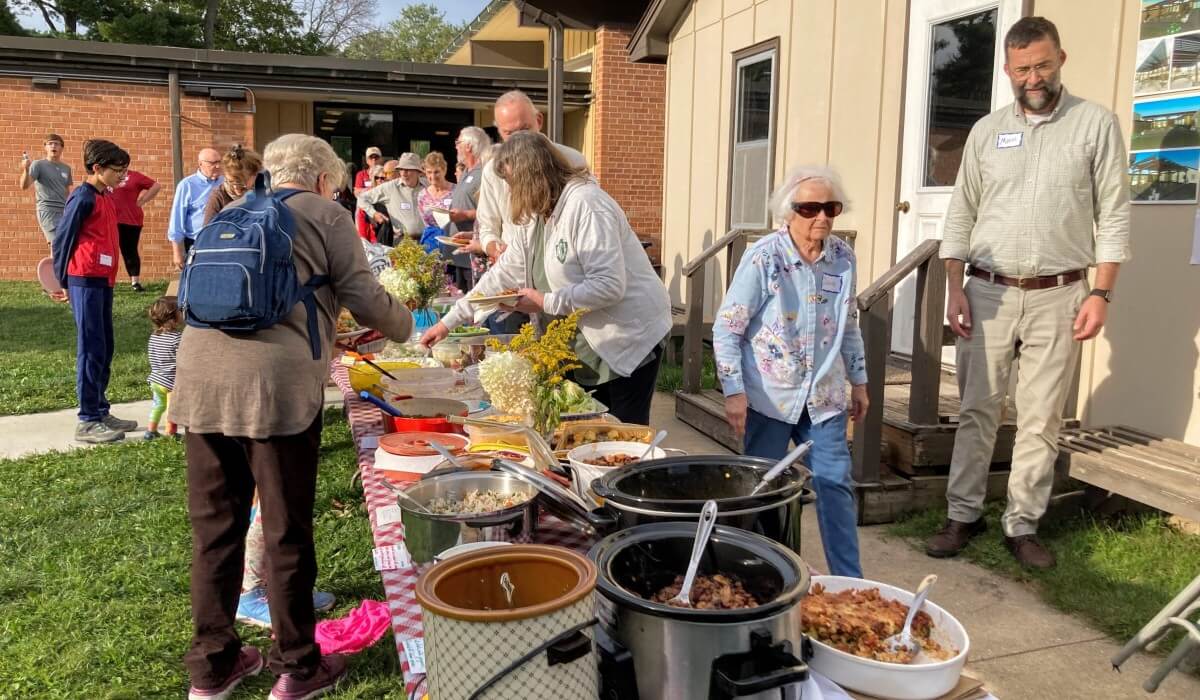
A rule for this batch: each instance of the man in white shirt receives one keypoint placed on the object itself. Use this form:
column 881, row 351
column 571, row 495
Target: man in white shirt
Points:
column 514, row 112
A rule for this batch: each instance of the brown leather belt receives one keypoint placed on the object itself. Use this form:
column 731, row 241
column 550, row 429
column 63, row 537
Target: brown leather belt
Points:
column 1045, row 282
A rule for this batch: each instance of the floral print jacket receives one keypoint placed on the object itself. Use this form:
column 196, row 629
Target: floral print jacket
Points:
column 787, row 333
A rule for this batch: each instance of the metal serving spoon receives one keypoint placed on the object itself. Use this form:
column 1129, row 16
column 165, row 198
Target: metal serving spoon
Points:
column 782, row 465
column 662, row 435
column 704, row 528
column 413, row 503
column 903, row 642
column 441, row 449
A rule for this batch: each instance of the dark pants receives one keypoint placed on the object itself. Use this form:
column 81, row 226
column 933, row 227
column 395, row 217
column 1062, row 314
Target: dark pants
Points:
column 130, row 237
column 628, row 398
column 222, row 474
column 92, row 308
column 510, row 324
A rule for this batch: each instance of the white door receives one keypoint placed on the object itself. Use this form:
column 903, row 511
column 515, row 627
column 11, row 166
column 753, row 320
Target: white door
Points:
column 955, row 76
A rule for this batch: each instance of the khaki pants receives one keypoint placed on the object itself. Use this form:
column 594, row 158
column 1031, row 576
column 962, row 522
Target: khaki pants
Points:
column 1035, row 329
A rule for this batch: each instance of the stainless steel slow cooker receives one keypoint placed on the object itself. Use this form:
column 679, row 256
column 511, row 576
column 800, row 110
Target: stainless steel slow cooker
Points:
column 654, row 651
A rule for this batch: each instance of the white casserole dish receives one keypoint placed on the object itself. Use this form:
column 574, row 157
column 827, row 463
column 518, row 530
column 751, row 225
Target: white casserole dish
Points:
column 917, row 681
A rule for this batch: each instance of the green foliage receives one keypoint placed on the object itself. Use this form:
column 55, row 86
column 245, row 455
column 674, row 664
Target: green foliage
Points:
column 419, row 34
column 8, row 21
column 261, row 26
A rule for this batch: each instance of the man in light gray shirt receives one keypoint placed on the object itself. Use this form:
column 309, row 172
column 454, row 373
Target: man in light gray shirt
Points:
column 1042, row 196
column 399, row 196
column 51, row 178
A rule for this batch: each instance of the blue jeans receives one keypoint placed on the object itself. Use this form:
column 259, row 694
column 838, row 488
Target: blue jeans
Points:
column 830, row 464
column 92, row 308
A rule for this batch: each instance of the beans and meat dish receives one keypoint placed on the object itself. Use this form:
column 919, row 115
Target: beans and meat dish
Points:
column 859, row 621
column 477, row 502
column 615, row 460
column 716, row 592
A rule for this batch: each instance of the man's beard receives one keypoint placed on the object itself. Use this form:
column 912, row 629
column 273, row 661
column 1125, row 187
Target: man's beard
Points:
column 1051, row 89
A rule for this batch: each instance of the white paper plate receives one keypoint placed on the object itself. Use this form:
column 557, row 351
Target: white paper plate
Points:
column 499, row 299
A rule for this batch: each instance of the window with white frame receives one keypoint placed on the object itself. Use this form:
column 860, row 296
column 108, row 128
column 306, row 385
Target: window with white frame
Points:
column 753, row 144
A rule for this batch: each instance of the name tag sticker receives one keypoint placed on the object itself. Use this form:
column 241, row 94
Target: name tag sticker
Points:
column 446, row 202
column 1012, row 140
column 405, row 205
column 470, row 178
column 106, row 260
column 831, row 283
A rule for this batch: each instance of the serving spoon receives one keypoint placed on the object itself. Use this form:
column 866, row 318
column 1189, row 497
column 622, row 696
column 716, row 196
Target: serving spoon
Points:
column 782, row 465
column 704, row 528
column 412, row 502
column 662, row 435
column 441, row 449
column 903, row 642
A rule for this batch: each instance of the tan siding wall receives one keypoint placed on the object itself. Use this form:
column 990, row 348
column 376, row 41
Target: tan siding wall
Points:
column 841, row 72
column 275, row 118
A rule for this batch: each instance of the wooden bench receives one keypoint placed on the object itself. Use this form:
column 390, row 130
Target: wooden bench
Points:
column 1146, row 468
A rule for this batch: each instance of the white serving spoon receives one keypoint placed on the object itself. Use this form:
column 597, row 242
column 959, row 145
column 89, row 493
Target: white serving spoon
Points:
column 704, row 528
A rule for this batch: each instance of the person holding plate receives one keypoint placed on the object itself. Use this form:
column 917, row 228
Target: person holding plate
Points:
column 581, row 254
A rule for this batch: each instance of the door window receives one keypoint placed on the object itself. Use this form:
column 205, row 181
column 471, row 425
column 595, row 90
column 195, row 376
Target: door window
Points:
column 961, row 66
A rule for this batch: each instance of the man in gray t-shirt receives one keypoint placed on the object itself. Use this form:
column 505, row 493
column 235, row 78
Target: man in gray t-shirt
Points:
column 51, row 178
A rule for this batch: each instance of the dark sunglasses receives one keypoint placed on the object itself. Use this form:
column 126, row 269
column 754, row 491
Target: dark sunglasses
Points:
column 809, row 210
column 380, row 178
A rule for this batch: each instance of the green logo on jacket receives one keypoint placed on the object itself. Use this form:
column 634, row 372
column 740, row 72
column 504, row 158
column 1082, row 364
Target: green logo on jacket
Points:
column 560, row 250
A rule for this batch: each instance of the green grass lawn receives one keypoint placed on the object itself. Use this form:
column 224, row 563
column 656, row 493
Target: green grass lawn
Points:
column 96, row 548
column 670, row 376
column 37, row 348
column 1116, row 574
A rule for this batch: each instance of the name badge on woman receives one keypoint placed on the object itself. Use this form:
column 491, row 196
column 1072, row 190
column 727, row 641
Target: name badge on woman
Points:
column 831, row 283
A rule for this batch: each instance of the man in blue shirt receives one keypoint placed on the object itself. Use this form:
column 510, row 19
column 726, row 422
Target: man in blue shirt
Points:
column 187, row 211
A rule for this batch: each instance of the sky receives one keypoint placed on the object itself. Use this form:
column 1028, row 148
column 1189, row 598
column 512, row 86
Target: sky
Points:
column 456, row 11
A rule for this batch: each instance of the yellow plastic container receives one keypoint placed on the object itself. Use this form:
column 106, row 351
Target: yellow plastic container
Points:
column 364, row 377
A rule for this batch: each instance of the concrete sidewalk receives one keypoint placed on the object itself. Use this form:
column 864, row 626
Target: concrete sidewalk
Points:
column 1022, row 648
column 44, row 432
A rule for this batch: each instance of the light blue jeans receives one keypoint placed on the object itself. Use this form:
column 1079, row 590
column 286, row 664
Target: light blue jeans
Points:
column 829, row 461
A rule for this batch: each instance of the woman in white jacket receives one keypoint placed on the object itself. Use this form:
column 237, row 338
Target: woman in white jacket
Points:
column 580, row 254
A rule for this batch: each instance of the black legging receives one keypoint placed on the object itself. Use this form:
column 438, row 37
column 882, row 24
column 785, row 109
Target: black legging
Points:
column 628, row 398
column 130, row 236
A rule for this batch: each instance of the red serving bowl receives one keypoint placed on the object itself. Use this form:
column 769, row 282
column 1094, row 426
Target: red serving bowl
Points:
column 432, row 416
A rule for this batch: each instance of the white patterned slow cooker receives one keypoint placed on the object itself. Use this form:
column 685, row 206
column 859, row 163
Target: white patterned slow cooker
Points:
column 477, row 644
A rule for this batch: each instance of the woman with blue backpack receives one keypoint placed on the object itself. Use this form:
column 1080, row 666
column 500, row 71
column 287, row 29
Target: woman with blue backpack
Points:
column 261, row 291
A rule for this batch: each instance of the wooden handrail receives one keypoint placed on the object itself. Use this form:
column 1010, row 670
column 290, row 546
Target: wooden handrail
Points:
column 888, row 280
column 718, row 245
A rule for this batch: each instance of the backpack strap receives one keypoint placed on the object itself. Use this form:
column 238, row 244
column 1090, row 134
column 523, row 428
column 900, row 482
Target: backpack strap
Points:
column 310, row 307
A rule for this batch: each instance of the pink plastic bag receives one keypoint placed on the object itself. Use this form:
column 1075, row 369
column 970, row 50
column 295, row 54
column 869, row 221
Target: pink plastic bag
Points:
column 358, row 630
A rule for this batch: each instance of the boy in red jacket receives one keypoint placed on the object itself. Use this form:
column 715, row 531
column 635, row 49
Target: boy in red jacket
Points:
column 86, row 246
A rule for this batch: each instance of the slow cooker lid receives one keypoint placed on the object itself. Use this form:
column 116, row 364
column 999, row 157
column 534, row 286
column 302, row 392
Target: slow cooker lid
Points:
column 636, row 563
column 683, row 484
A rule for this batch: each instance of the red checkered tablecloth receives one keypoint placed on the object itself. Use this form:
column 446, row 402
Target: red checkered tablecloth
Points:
column 400, row 585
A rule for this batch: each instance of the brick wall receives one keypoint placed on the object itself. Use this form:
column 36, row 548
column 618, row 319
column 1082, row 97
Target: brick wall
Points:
column 629, row 122
column 136, row 117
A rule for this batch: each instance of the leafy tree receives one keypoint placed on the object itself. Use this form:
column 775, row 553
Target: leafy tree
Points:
column 66, row 17
column 8, row 21
column 419, row 34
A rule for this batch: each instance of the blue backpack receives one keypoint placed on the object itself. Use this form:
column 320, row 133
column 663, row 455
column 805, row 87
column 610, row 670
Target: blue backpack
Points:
column 240, row 274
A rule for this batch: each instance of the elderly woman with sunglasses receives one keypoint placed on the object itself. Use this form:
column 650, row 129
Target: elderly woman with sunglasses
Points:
column 787, row 342
column 241, row 166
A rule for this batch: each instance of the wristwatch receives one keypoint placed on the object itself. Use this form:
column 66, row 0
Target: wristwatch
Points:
column 1105, row 294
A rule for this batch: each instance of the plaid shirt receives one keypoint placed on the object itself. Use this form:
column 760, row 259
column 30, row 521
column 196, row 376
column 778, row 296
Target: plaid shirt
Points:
column 1041, row 199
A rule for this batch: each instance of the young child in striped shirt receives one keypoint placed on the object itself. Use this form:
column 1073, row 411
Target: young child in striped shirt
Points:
column 164, row 342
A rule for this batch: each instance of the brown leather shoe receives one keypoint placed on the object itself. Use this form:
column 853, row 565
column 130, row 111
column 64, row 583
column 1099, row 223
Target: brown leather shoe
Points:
column 1029, row 552
column 952, row 538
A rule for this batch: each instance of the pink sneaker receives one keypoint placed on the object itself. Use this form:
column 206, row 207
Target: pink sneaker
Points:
column 323, row 680
column 249, row 663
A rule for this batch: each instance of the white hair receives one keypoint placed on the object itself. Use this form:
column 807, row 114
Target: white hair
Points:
column 476, row 139
column 780, row 202
column 517, row 97
column 301, row 159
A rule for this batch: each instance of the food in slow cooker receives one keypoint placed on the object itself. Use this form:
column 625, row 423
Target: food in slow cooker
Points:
column 586, row 435
column 477, row 501
column 859, row 621
column 614, row 460
column 716, row 592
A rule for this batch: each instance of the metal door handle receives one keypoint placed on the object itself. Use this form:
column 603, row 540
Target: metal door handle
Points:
column 902, row 207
